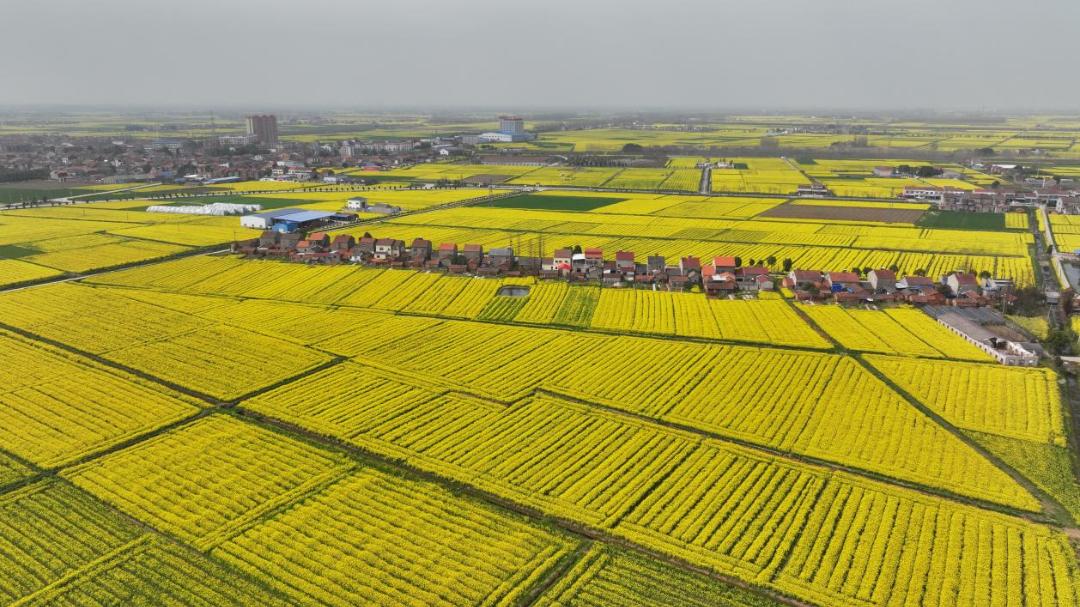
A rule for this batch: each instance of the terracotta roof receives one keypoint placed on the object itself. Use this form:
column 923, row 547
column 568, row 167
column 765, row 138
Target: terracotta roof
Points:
column 806, row 275
column 624, row 256
column 886, row 274
column 843, row 277
column 724, row 261
column 918, row 281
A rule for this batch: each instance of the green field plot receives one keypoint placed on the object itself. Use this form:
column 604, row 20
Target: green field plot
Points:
column 959, row 220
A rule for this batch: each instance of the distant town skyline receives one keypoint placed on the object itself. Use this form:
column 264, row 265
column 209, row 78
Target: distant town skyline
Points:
column 719, row 54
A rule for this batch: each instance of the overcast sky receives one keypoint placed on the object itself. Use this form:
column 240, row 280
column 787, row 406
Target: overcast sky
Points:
column 701, row 54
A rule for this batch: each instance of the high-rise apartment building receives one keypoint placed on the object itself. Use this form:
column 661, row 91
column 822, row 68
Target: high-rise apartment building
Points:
column 264, row 128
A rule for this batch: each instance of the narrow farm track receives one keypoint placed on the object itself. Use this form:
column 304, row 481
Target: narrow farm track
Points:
column 553, row 575
column 217, row 248
column 806, row 459
column 581, row 531
column 1052, row 508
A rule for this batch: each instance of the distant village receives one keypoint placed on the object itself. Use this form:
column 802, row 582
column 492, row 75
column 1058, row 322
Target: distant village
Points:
column 721, row 276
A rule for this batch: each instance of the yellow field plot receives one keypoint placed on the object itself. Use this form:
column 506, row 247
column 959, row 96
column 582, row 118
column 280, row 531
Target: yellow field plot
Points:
column 1038, row 326
column 950, row 183
column 870, row 187
column 532, row 453
column 101, row 212
column 505, row 363
column 382, row 285
column 26, row 230
column 220, row 361
column 763, row 321
column 475, row 297
column 686, row 180
column 436, row 171
column 639, row 179
column 635, row 310
column 1016, row 221
column 52, row 530
column 189, row 304
column 864, row 204
column 907, row 332
column 435, row 292
column 575, row 176
column 303, row 324
column 632, row 204
column 192, row 234
column 1009, row 401
column 106, row 256
column 388, row 327
column 14, row 271
column 90, row 319
column 545, row 299
column 350, row 543
column 869, row 544
column 414, row 288
column 56, row 408
column 1068, row 242
column 611, row 577
column 685, row 162
column 228, row 472
column 936, row 335
column 724, row 507
column 691, row 315
column 494, row 361
column 817, row 404
column 720, row 207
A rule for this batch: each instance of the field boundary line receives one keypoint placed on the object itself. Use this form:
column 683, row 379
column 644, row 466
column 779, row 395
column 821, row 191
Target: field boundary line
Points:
column 579, row 530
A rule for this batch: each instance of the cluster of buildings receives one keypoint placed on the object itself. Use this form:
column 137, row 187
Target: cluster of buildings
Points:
column 511, row 130
column 987, row 330
column 720, row 276
column 997, row 200
column 261, row 130
column 295, row 221
column 958, row 289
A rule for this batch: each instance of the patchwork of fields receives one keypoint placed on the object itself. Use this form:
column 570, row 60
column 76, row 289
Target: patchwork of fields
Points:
column 213, row 430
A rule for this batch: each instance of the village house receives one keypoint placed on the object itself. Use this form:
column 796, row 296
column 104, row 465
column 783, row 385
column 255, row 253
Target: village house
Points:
column 420, row 251
column 389, row 249
column 501, row 257
column 882, row 281
column 473, row 253
column 803, row 279
column 690, row 267
column 594, row 258
column 843, row 281
column 624, row 261
column 719, row 283
column 319, row 239
column 655, row 264
column 562, row 260
column 919, row 290
column 750, row 278
column 960, row 283
column 343, row 243
column 447, row 251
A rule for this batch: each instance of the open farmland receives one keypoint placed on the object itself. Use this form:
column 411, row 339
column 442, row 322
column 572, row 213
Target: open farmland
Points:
column 215, row 429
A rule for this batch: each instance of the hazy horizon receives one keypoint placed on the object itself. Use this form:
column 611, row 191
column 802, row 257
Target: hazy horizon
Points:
column 708, row 56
